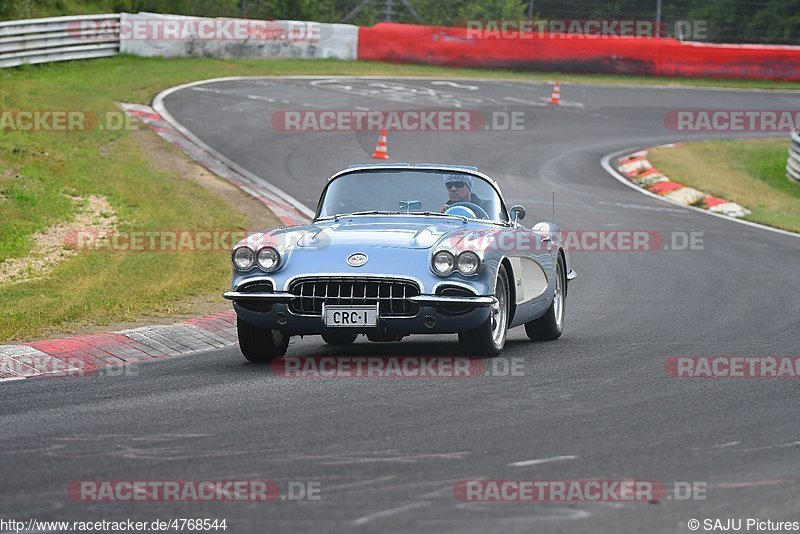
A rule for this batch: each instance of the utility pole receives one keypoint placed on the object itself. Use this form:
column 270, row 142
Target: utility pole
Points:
column 530, row 10
column 658, row 18
column 387, row 10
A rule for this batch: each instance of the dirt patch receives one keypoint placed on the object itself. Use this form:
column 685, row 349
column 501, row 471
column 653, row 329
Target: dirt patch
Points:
column 53, row 245
column 170, row 159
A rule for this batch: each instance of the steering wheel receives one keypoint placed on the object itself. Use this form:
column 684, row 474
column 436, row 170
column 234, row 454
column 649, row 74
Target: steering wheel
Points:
column 479, row 211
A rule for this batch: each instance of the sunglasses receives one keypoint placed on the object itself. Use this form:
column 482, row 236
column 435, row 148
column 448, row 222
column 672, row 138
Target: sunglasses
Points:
column 458, row 185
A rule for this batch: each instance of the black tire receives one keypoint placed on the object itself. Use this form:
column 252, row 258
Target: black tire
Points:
column 489, row 338
column 550, row 326
column 339, row 338
column 260, row 345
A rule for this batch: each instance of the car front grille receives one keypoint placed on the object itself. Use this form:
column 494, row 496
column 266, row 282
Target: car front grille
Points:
column 390, row 294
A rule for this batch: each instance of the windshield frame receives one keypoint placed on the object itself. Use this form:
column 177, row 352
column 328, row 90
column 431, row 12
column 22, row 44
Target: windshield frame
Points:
column 407, row 167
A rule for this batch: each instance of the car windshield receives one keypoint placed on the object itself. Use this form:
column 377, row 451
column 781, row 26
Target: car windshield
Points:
column 412, row 191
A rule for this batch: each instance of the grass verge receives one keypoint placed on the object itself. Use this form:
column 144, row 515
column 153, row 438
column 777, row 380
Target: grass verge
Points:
column 39, row 171
column 750, row 172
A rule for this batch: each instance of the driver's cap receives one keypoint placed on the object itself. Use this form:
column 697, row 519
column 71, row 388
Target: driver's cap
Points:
column 458, row 178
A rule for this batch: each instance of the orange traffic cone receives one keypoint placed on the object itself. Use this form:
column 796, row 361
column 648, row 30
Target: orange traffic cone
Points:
column 555, row 98
column 382, row 150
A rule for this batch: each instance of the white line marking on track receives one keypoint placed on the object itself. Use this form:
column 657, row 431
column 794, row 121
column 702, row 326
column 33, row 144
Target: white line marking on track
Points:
column 361, row 483
column 526, row 463
column 526, row 102
column 766, row 447
column 456, row 85
column 259, row 97
column 390, row 512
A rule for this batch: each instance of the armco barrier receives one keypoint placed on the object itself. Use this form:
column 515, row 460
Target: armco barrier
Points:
column 57, row 39
column 405, row 43
column 89, row 36
column 259, row 39
column 793, row 163
column 702, row 60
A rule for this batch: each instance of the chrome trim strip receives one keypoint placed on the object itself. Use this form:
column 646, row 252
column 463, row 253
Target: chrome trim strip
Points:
column 478, row 302
column 274, row 297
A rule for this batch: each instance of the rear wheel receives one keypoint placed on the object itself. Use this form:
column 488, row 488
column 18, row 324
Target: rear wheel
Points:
column 550, row 326
column 490, row 337
column 260, row 345
column 339, row 338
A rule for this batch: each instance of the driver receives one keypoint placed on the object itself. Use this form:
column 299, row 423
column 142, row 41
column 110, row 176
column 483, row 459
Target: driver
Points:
column 459, row 189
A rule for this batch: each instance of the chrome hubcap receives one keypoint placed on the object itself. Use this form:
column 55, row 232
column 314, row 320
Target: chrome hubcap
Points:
column 558, row 297
column 499, row 313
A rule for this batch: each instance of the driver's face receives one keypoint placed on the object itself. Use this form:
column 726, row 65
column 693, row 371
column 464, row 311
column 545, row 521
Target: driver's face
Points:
column 458, row 191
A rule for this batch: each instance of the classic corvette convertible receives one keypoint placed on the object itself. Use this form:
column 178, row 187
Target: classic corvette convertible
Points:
column 399, row 249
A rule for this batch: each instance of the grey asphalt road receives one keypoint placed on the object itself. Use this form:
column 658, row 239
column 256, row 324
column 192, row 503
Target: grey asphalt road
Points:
column 596, row 404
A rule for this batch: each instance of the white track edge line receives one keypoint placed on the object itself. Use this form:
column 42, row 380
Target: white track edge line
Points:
column 158, row 105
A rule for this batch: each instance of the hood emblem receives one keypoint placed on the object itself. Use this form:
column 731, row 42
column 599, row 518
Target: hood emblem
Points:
column 357, row 259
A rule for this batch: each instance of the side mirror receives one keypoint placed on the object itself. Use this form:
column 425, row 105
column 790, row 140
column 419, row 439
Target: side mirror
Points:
column 517, row 213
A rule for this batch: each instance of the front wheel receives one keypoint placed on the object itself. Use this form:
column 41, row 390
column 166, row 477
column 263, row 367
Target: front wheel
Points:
column 490, row 337
column 550, row 325
column 260, row 345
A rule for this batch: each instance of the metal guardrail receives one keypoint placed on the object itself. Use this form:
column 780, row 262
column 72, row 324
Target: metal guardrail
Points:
column 793, row 163
column 58, row 39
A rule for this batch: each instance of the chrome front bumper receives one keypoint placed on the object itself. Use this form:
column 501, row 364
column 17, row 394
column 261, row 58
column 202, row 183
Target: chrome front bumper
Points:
column 425, row 300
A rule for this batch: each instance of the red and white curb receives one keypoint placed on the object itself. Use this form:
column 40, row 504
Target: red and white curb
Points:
column 85, row 355
column 636, row 168
column 289, row 211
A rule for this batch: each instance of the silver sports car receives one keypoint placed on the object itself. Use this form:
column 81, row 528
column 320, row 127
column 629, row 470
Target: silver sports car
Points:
column 394, row 250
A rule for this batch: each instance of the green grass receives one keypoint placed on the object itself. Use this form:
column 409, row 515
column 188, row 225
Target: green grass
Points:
column 751, row 173
column 38, row 169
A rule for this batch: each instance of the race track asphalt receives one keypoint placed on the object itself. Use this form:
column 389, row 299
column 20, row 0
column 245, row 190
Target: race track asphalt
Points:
column 596, row 404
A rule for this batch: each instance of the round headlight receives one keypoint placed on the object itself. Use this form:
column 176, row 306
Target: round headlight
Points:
column 443, row 262
column 243, row 258
column 468, row 263
column 268, row 258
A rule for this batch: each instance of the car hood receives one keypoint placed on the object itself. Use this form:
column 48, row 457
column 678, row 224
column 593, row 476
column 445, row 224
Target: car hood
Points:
column 382, row 232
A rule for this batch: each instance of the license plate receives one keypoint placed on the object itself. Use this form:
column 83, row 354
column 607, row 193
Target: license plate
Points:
column 344, row 316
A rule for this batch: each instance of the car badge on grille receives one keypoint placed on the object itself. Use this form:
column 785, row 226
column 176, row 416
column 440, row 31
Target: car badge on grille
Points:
column 357, row 259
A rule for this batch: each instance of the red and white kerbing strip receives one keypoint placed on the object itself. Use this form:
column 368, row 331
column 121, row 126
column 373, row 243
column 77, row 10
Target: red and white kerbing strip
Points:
column 638, row 170
column 85, row 355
